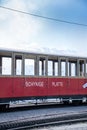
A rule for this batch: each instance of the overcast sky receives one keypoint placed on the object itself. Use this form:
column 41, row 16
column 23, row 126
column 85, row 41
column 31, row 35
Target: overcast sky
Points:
column 20, row 31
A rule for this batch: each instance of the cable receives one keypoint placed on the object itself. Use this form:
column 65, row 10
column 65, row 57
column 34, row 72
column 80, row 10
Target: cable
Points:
column 44, row 17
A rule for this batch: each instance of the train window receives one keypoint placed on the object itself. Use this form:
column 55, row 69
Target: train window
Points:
column 52, row 68
column 29, row 66
column 49, row 67
column 73, row 69
column 18, row 66
column 40, row 68
column 6, row 66
column 86, row 70
column 63, row 69
column 56, row 69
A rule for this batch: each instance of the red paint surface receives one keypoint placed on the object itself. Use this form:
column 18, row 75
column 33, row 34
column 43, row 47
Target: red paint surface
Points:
column 20, row 86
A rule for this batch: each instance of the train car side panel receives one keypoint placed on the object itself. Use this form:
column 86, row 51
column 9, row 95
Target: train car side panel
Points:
column 36, row 87
column 73, row 86
column 6, row 87
column 30, row 87
column 57, row 86
column 18, row 87
column 14, row 87
column 53, row 87
column 82, row 87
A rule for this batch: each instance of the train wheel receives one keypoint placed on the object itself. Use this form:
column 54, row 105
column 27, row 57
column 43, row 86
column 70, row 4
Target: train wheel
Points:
column 7, row 106
column 3, row 107
column 77, row 102
column 66, row 102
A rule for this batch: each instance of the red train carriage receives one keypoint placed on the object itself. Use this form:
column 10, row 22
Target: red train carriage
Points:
column 33, row 76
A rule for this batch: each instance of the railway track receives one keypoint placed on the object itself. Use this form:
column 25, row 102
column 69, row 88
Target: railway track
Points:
column 46, row 119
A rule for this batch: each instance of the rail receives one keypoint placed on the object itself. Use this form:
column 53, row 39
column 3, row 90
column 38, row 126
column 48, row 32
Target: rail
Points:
column 46, row 120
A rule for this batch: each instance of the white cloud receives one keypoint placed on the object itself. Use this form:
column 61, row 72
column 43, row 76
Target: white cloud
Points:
column 18, row 27
column 25, row 32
